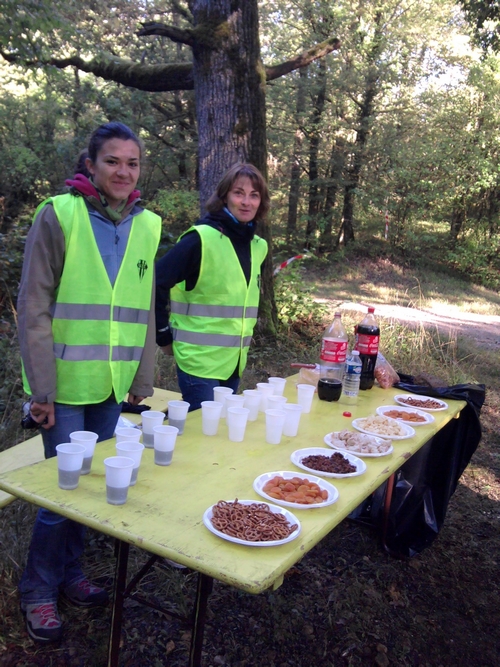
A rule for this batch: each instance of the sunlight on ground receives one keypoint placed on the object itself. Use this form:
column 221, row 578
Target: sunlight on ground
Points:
column 482, row 481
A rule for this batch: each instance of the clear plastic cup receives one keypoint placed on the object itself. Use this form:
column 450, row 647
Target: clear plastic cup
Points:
column 305, row 394
column 128, row 433
column 220, row 394
column 150, row 419
column 177, row 413
column 118, row 475
column 278, row 385
column 236, row 423
column 292, row 419
column 69, row 464
column 165, row 439
column 133, row 450
column 234, row 401
column 252, row 402
column 210, row 417
column 265, row 390
column 276, row 402
column 275, row 420
column 88, row 440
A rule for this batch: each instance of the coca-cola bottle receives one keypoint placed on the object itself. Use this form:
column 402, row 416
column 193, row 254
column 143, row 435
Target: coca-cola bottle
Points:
column 333, row 350
column 367, row 334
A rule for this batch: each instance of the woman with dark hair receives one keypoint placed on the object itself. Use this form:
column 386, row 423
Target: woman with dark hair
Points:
column 211, row 278
column 86, row 332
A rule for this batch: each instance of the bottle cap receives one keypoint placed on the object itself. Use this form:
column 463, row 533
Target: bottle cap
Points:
column 371, row 309
column 355, row 352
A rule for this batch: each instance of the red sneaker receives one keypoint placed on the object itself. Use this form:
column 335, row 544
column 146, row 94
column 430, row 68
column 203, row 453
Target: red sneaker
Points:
column 85, row 594
column 43, row 621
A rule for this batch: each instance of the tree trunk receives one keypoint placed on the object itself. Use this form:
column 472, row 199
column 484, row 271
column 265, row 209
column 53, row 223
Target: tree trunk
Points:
column 229, row 81
column 334, row 178
column 294, row 192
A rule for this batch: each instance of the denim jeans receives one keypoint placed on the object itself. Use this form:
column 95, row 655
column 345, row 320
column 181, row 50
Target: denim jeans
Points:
column 195, row 389
column 57, row 543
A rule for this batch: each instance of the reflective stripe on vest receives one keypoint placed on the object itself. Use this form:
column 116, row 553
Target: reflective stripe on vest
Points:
column 212, row 324
column 99, row 330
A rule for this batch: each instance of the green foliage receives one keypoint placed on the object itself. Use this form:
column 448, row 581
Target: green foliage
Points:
column 480, row 261
column 294, row 299
column 179, row 209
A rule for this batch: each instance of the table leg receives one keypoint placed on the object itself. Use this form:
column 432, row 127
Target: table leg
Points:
column 122, row 549
column 204, row 588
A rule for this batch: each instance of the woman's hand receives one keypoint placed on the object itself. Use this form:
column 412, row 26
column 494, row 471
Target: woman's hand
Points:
column 135, row 400
column 43, row 414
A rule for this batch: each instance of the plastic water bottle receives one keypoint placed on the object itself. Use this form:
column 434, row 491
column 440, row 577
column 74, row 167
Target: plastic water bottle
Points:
column 333, row 350
column 352, row 376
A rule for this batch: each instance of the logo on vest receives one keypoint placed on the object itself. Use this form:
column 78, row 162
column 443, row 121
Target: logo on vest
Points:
column 142, row 265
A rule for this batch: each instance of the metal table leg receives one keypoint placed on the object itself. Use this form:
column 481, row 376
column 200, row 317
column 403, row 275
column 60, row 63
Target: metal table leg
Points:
column 203, row 590
column 122, row 550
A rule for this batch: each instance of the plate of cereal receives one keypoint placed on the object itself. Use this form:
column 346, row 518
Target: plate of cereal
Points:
column 251, row 523
column 383, row 427
column 367, row 446
column 323, row 462
column 409, row 416
column 297, row 491
column 421, row 402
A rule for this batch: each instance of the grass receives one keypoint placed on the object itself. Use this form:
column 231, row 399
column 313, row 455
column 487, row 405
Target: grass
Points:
column 347, row 603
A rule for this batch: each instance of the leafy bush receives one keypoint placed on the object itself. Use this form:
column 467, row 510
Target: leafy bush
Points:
column 294, row 300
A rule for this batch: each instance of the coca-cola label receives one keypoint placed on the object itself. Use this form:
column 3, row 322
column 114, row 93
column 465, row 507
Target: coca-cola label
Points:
column 333, row 350
column 367, row 344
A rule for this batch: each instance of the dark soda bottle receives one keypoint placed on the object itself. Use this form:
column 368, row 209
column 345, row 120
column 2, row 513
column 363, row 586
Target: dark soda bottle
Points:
column 367, row 341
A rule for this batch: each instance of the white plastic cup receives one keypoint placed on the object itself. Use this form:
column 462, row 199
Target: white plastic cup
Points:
column 150, row 419
column 69, row 464
column 252, row 402
column 292, row 419
column 88, row 440
column 220, row 394
column 275, row 420
column 265, row 390
column 305, row 393
column 128, row 434
column 118, row 475
column 177, row 413
column 236, row 423
column 278, row 385
column 210, row 417
column 165, row 437
column 276, row 402
column 234, row 401
column 133, row 450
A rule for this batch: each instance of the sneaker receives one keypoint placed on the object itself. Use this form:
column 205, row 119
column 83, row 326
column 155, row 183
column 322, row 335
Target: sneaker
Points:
column 84, row 594
column 43, row 621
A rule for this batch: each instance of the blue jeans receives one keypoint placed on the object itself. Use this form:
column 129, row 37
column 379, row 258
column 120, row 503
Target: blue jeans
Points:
column 57, row 543
column 195, row 389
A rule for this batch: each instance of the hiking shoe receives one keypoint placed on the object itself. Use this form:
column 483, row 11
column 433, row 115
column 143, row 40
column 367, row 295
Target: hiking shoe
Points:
column 84, row 594
column 43, row 621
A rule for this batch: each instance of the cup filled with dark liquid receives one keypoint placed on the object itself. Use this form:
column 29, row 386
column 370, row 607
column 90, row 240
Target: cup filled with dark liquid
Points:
column 329, row 389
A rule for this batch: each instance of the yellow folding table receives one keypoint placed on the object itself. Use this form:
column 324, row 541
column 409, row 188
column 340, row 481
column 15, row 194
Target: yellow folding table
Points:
column 163, row 514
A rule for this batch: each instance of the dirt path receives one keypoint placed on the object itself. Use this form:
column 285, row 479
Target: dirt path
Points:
column 483, row 329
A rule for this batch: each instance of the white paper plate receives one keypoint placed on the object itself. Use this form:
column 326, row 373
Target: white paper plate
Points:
column 300, row 454
column 365, row 455
column 400, row 400
column 428, row 418
column 261, row 480
column 207, row 516
column 409, row 431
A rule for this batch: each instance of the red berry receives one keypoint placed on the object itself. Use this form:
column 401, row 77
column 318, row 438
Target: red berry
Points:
column 347, row 414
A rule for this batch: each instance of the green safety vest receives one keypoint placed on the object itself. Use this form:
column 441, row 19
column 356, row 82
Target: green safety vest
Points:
column 99, row 330
column 212, row 325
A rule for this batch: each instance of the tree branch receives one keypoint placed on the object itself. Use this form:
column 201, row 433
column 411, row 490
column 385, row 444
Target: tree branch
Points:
column 173, row 33
column 318, row 51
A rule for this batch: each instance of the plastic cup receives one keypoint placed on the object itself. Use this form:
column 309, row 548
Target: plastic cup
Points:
column 165, row 437
column 236, row 423
column 150, row 419
column 220, row 394
column 88, row 440
column 278, row 385
column 276, row 402
column 177, row 413
column 275, row 420
column 292, row 419
column 252, row 402
column 265, row 390
column 128, row 434
column 234, row 401
column 69, row 464
column 305, row 393
column 133, row 450
column 118, row 475
column 210, row 416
